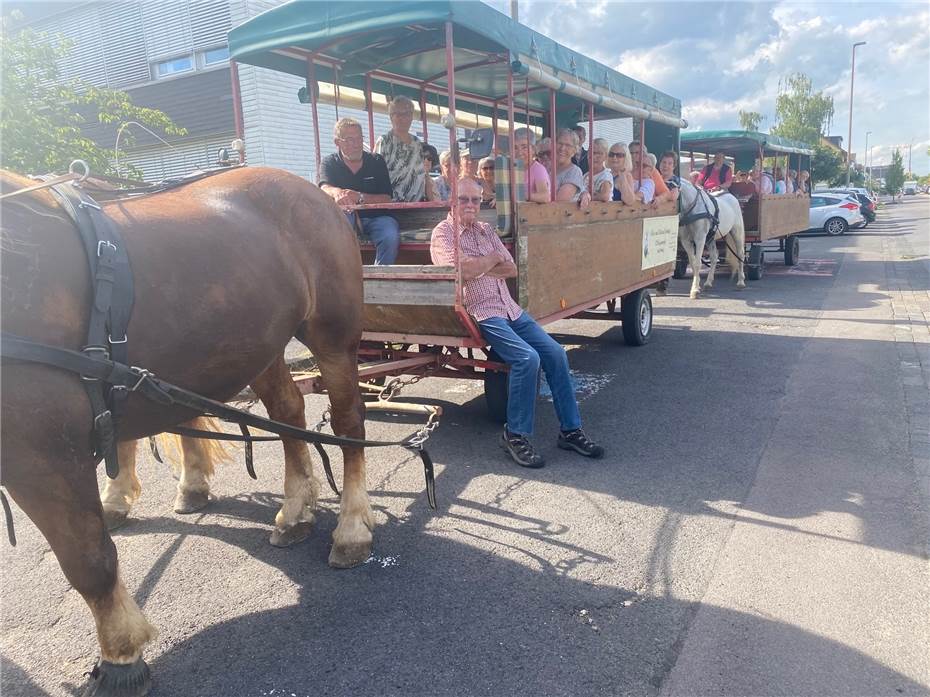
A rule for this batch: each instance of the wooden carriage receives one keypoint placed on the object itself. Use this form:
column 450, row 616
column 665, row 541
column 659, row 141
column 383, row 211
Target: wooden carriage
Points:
column 771, row 220
column 465, row 63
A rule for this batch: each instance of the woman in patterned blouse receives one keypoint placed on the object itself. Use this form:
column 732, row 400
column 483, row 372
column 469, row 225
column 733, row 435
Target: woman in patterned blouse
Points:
column 403, row 153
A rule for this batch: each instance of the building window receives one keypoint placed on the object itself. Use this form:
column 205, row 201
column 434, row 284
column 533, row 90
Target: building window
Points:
column 216, row 55
column 174, row 66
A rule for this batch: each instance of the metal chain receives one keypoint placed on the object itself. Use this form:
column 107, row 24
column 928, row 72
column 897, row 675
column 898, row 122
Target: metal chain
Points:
column 421, row 436
column 393, row 386
column 324, row 419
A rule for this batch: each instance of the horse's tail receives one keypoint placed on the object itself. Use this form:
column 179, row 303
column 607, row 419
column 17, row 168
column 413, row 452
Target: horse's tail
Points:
column 212, row 451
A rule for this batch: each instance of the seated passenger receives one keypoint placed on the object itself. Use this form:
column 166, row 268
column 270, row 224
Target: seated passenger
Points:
column 515, row 336
column 443, row 183
column 641, row 163
column 780, row 186
column 430, row 161
column 626, row 189
column 544, row 152
column 353, row 177
column 804, row 182
column 403, row 152
column 763, row 180
column 603, row 179
column 716, row 175
column 791, row 182
column 569, row 183
column 468, row 167
column 486, row 177
column 667, row 163
column 581, row 153
column 538, row 186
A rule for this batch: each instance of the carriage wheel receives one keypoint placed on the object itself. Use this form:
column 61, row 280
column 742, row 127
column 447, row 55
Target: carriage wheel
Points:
column 636, row 315
column 756, row 264
column 681, row 267
column 792, row 251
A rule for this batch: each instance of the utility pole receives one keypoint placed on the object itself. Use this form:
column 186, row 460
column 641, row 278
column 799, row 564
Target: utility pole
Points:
column 865, row 153
column 514, row 11
column 852, row 82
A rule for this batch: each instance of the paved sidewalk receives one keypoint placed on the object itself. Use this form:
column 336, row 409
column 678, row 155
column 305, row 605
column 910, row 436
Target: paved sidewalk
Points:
column 850, row 456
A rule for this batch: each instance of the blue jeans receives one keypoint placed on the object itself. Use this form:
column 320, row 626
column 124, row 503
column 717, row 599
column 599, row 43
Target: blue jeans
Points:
column 384, row 233
column 524, row 346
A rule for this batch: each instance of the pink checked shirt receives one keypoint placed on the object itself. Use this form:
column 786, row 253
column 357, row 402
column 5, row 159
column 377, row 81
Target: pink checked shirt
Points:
column 485, row 297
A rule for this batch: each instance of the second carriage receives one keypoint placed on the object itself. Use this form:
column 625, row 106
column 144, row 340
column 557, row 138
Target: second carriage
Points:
column 772, row 220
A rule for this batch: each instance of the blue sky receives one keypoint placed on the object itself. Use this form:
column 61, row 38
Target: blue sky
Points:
column 720, row 57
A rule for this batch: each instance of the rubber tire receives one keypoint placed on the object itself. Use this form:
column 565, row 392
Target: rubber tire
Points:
column 840, row 227
column 636, row 311
column 755, row 266
column 681, row 268
column 792, row 251
column 496, row 391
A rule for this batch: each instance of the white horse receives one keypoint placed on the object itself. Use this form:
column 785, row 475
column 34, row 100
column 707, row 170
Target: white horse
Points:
column 699, row 211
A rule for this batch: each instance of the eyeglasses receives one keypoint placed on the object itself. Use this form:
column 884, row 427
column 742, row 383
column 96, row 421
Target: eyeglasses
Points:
column 616, row 154
column 470, row 199
column 544, row 153
column 488, row 167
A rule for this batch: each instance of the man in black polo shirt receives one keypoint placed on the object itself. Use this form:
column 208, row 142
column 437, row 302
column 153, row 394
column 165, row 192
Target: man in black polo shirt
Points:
column 352, row 177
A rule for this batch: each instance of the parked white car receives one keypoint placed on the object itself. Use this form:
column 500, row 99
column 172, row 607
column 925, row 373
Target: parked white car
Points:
column 834, row 213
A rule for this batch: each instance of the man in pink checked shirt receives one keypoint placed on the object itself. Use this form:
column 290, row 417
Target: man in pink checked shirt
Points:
column 513, row 334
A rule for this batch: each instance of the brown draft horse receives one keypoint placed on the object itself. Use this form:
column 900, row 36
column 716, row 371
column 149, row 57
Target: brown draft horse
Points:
column 227, row 270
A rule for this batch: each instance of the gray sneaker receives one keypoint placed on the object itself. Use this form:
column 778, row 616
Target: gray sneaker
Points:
column 521, row 450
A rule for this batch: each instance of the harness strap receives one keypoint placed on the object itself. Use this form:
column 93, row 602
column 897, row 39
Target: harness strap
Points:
column 113, row 298
column 164, row 393
column 248, row 439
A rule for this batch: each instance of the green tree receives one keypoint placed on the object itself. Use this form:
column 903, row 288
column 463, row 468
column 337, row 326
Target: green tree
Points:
column 826, row 164
column 41, row 116
column 800, row 113
column 750, row 120
column 894, row 175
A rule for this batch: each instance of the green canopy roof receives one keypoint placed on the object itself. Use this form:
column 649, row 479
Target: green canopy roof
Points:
column 406, row 40
column 741, row 143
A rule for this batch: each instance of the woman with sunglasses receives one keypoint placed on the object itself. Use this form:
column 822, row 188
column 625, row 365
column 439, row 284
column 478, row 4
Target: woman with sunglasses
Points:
column 625, row 189
column 486, row 177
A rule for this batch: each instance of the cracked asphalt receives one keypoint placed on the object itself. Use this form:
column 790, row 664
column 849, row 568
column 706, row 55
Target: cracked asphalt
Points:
column 759, row 524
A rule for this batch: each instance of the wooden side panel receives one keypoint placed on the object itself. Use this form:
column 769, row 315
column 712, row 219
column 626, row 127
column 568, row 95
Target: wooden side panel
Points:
column 568, row 257
column 783, row 214
column 411, row 300
column 413, row 319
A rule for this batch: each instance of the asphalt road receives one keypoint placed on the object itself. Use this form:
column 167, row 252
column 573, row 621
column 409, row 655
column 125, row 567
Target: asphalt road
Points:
column 758, row 526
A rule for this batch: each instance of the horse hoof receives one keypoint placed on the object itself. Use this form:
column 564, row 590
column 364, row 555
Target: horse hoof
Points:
column 190, row 501
column 694, row 295
column 115, row 519
column 292, row 535
column 347, row 556
column 118, row 680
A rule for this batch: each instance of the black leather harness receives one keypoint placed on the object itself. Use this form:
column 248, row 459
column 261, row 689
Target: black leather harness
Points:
column 113, row 297
column 690, row 216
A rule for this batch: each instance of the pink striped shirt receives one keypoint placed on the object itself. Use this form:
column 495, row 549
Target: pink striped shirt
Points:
column 485, row 297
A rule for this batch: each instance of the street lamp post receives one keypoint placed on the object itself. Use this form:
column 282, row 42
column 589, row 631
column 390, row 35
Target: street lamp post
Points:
column 871, row 186
column 852, row 82
column 867, row 134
